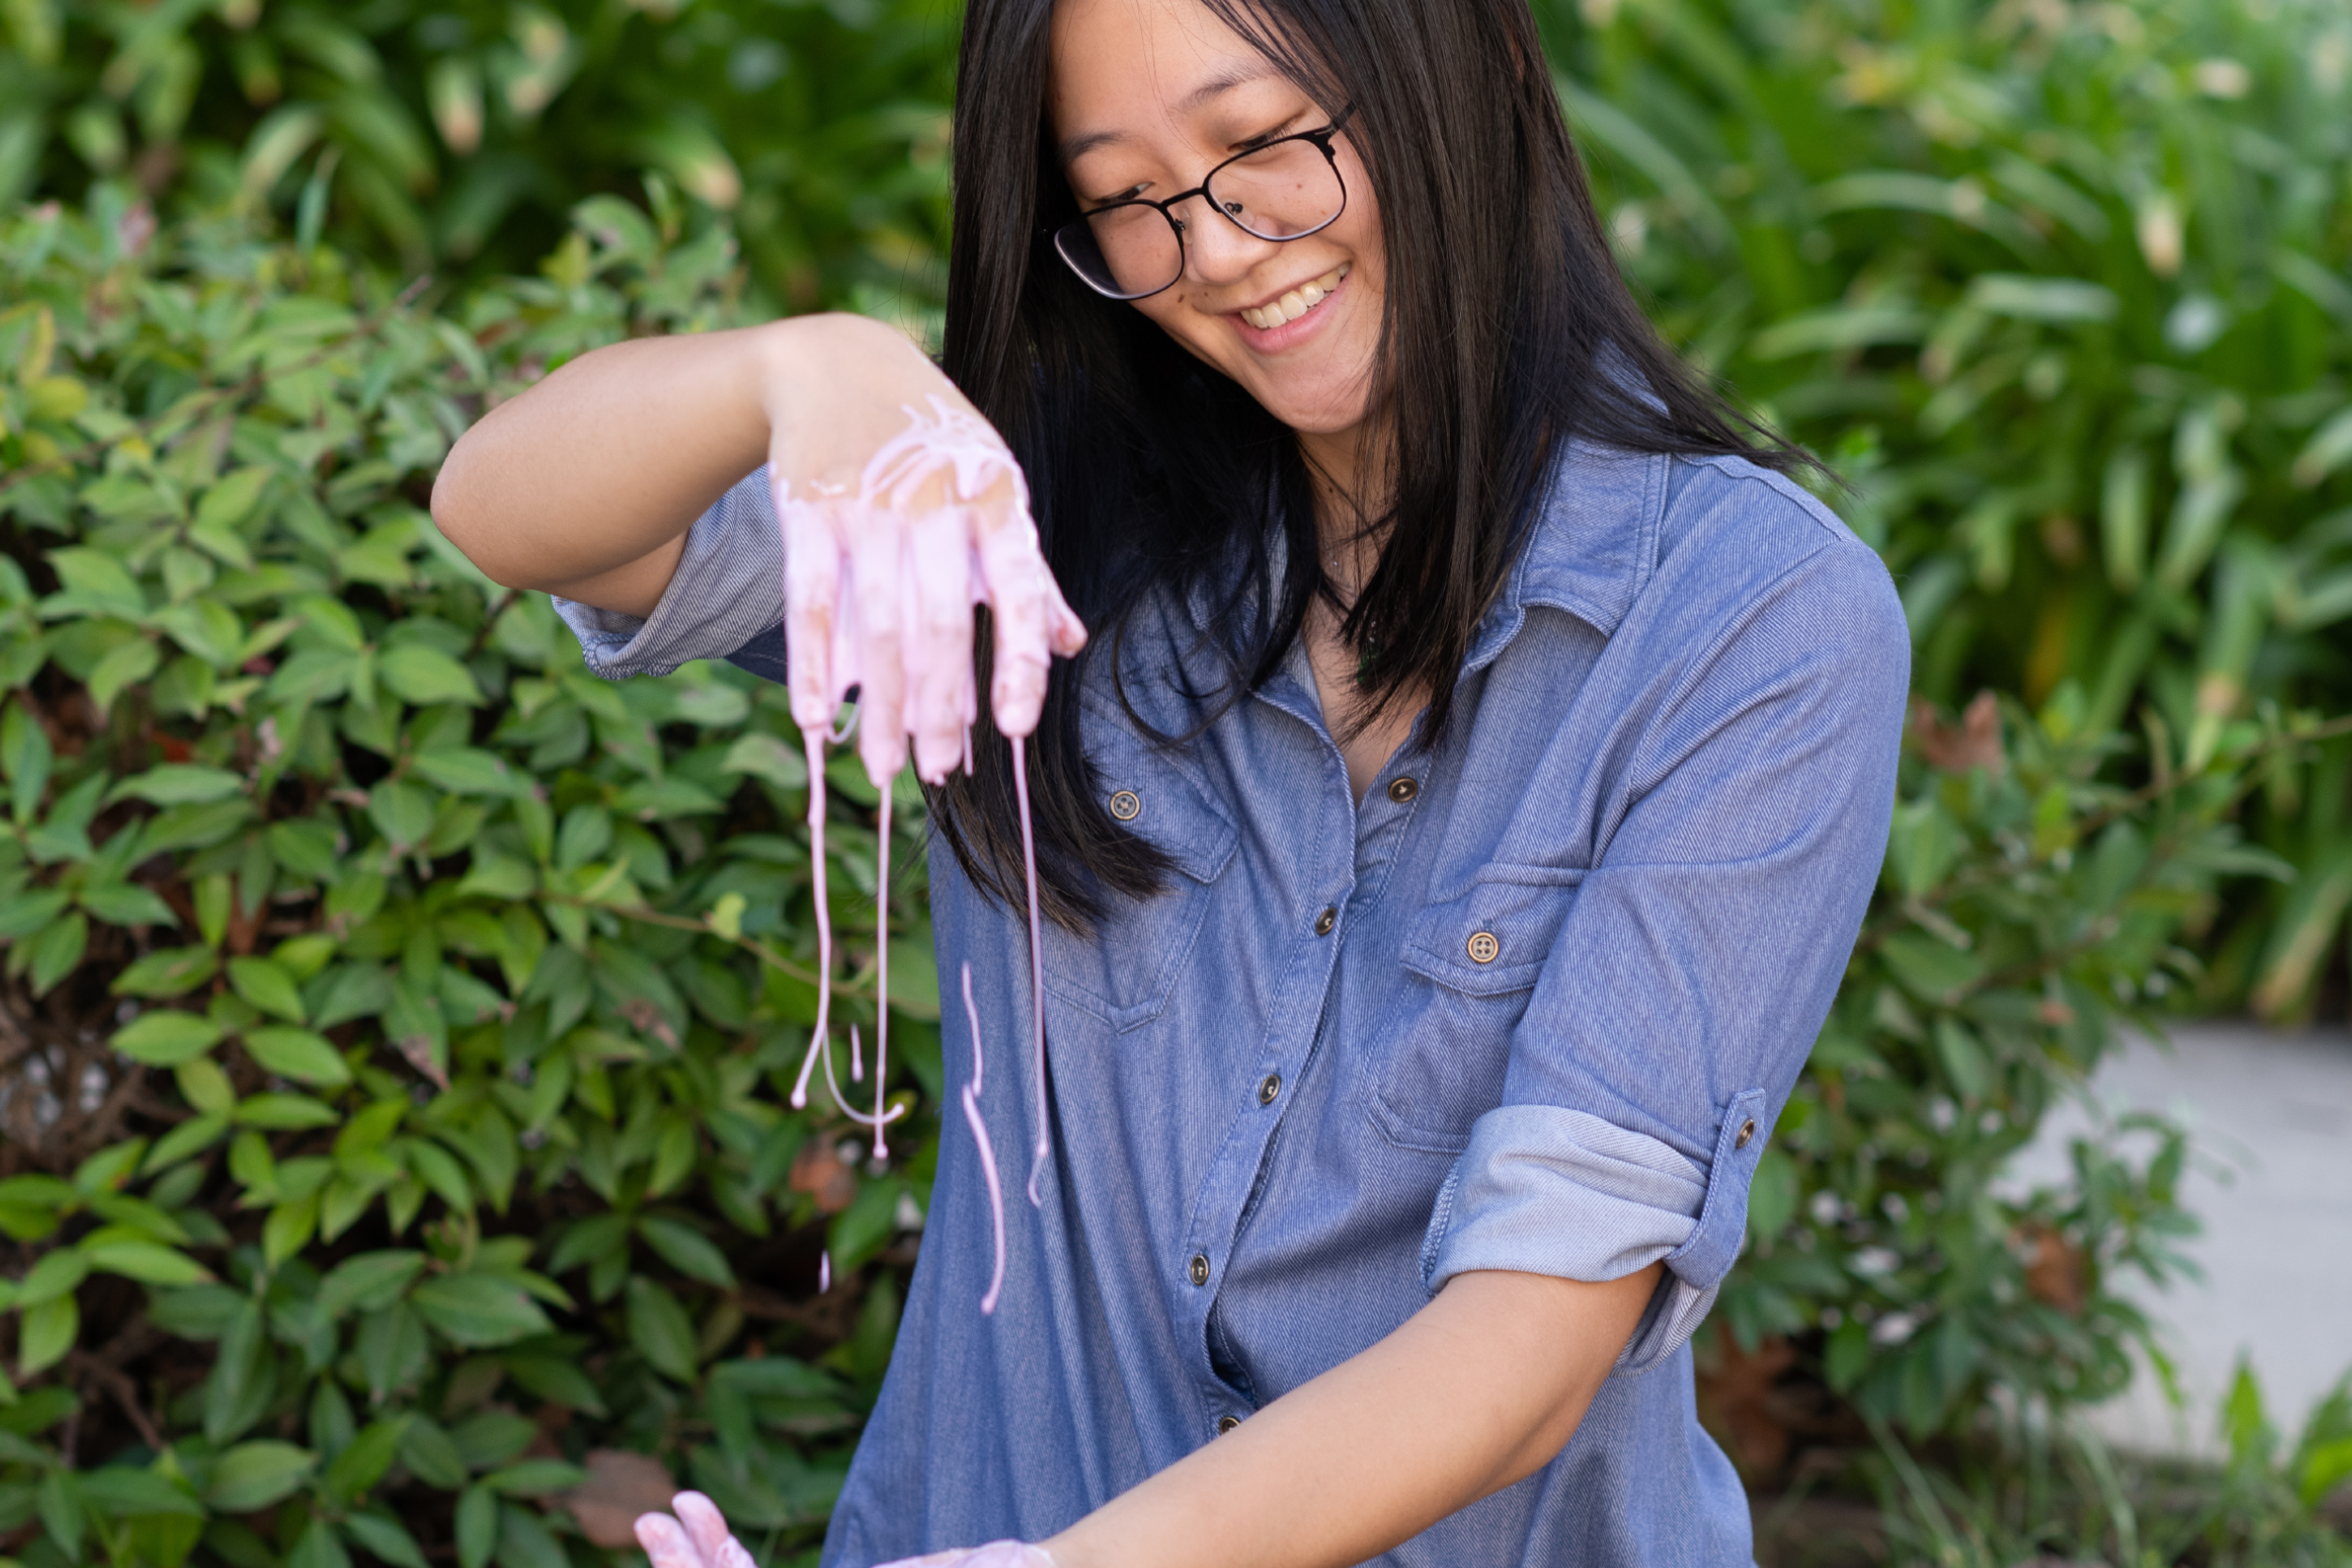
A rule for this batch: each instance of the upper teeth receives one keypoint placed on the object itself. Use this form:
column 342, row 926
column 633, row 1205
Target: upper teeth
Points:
column 1297, row 302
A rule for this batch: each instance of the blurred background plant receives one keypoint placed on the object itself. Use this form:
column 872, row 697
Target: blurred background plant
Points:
column 397, row 1021
column 458, row 135
column 2063, row 290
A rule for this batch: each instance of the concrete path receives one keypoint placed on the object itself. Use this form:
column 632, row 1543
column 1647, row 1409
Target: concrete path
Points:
column 2271, row 1117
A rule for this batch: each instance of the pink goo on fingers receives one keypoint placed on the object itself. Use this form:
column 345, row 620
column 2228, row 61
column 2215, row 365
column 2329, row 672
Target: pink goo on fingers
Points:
column 988, row 1150
column 997, row 1554
column 696, row 1538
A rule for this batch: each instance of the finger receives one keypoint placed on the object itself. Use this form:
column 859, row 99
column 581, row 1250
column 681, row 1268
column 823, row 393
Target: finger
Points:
column 666, row 1543
column 878, row 590
column 939, row 676
column 1022, row 596
column 812, row 601
column 707, row 1527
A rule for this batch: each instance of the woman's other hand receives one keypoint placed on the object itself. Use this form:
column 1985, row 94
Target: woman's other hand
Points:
column 696, row 1538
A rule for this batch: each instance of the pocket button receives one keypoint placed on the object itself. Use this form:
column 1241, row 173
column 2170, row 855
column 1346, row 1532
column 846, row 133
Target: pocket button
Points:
column 1483, row 947
column 1126, row 805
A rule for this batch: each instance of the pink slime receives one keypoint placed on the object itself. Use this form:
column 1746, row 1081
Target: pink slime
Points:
column 837, row 576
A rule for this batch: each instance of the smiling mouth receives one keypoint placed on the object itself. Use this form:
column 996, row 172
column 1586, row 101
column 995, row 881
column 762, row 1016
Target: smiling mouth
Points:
column 1297, row 303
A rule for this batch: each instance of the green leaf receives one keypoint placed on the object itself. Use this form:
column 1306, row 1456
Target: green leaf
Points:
column 166, row 1037
column 267, row 987
column 477, row 1525
column 385, row 1539
column 251, row 1476
column 471, row 770
column 366, row 1458
column 426, row 676
column 179, row 785
column 661, row 1330
column 148, row 1262
column 45, row 1333
column 57, row 1275
column 535, row 1478
column 297, row 1054
column 128, row 904
column 124, row 1493
column 478, row 1309
column 369, row 1282
column 128, row 664
column 284, row 1113
column 430, row 1454
column 170, row 971
column 687, row 1250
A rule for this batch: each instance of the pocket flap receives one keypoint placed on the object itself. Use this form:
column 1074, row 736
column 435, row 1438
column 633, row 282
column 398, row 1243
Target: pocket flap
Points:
column 1495, row 938
column 1147, row 790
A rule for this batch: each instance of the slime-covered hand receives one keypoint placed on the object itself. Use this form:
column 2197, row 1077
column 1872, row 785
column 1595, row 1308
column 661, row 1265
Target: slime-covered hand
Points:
column 997, row 1554
column 696, row 1538
column 879, row 585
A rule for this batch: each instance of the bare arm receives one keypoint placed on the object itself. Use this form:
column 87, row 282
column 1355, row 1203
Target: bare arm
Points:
column 1479, row 1389
column 585, row 484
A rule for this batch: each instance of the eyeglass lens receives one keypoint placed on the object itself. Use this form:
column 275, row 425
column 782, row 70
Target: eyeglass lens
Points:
column 1281, row 192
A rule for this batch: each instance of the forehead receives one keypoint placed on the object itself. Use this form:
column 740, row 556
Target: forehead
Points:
column 1117, row 65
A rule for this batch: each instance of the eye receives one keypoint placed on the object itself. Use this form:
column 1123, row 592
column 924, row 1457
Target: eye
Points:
column 1253, row 143
column 1094, row 203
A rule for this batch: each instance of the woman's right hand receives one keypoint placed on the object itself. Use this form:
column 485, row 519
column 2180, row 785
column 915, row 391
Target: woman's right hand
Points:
column 901, row 509
column 587, row 484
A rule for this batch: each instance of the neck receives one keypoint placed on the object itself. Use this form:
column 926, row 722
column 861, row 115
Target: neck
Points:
column 1348, row 469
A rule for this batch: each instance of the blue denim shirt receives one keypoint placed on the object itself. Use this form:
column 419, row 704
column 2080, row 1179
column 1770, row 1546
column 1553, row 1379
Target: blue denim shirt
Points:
column 1534, row 1004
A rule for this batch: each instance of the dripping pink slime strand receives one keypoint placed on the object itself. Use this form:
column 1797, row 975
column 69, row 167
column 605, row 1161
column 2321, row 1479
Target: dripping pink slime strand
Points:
column 1037, row 967
column 988, row 1150
column 814, row 743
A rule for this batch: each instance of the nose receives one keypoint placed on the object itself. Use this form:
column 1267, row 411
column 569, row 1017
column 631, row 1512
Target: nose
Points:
column 1218, row 250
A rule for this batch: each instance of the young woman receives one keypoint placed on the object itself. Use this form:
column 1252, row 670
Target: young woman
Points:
column 1453, row 830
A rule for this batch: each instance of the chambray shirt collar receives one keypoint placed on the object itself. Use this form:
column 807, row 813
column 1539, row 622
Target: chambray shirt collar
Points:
column 1591, row 548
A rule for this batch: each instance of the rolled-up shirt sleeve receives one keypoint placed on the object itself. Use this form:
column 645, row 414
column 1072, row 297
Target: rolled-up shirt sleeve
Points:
column 726, row 597
column 1699, row 954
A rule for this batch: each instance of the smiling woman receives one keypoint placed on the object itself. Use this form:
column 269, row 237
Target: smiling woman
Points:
column 1456, row 808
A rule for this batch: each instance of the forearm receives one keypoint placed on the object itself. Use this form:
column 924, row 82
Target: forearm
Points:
column 586, row 483
column 1479, row 1389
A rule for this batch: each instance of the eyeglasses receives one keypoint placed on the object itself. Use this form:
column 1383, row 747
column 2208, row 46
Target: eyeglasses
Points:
column 1285, row 190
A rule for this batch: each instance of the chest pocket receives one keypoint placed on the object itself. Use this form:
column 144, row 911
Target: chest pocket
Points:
column 1480, row 956
column 1125, row 972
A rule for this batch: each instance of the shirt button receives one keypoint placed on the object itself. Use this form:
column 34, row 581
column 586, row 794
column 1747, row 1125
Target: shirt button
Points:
column 1746, row 1131
column 1403, row 790
column 1267, row 1090
column 1327, row 919
column 1126, row 805
column 1199, row 1269
column 1484, row 949
column 1226, row 1424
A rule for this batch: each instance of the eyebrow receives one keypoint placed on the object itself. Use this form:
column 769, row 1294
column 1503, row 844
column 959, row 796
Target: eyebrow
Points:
column 1225, row 82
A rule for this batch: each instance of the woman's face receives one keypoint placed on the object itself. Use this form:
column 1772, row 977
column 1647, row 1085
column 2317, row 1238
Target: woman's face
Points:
column 1147, row 97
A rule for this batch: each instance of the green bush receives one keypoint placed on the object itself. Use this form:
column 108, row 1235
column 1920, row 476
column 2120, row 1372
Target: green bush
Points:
column 2062, row 289
column 2029, row 906
column 460, row 134
column 397, row 1020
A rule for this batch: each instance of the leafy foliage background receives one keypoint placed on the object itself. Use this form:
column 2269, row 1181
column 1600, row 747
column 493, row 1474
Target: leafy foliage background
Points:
column 396, row 1021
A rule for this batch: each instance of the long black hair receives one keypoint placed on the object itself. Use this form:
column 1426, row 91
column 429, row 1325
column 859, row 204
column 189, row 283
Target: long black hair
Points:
column 1507, row 329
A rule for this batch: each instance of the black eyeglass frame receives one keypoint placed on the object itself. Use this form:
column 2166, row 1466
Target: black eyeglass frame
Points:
column 1320, row 139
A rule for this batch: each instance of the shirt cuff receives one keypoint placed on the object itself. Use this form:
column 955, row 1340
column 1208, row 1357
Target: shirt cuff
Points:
column 1542, row 1189
column 727, row 591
